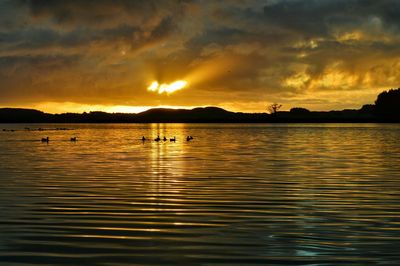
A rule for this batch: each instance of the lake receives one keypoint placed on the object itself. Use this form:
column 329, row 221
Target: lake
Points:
column 237, row 194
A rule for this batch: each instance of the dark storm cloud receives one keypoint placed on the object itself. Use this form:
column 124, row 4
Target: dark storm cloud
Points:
column 317, row 18
column 38, row 40
column 74, row 23
column 102, row 13
column 244, row 51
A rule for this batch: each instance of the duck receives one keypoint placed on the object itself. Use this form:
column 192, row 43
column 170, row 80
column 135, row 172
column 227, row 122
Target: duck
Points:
column 189, row 138
column 143, row 138
column 74, row 139
column 173, row 139
column 157, row 139
column 45, row 139
column 165, row 138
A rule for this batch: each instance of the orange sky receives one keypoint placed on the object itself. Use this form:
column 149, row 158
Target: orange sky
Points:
column 76, row 56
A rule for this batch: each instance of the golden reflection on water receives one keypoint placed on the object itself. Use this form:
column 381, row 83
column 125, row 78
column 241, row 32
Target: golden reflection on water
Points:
column 163, row 160
column 236, row 194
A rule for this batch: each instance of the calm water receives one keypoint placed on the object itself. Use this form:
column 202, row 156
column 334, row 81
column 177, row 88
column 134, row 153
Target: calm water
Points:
column 235, row 195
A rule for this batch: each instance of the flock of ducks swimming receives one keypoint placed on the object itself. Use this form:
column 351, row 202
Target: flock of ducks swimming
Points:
column 188, row 138
column 36, row 129
column 74, row 139
column 47, row 139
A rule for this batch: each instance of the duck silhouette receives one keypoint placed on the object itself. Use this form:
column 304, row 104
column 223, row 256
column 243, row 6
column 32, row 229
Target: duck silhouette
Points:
column 143, row 138
column 45, row 139
column 165, row 138
column 173, row 139
column 157, row 139
column 74, row 139
column 189, row 138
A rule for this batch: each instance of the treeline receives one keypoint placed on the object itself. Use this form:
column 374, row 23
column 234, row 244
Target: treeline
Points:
column 157, row 115
column 385, row 109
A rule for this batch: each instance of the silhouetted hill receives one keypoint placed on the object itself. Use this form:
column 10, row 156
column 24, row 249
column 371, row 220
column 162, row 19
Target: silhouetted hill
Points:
column 385, row 109
column 197, row 115
column 15, row 115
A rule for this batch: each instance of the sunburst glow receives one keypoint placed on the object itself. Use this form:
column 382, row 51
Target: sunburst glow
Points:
column 167, row 88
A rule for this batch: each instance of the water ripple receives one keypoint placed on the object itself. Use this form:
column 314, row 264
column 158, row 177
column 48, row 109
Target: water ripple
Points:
column 310, row 194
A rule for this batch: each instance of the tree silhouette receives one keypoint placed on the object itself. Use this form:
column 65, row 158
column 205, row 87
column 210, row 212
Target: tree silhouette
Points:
column 388, row 103
column 274, row 108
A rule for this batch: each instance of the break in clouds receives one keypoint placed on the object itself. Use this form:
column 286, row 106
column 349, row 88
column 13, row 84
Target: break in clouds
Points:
column 240, row 54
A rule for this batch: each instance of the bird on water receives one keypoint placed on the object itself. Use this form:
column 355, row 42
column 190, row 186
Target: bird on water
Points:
column 45, row 139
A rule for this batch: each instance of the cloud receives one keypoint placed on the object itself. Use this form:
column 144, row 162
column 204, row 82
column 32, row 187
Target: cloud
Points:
column 313, row 53
column 103, row 13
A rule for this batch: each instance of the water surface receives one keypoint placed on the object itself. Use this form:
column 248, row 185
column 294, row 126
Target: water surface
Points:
column 302, row 194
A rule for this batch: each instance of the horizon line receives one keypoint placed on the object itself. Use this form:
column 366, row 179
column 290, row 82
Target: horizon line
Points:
column 147, row 108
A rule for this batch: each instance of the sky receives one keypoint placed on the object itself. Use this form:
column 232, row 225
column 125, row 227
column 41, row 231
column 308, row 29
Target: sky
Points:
column 241, row 55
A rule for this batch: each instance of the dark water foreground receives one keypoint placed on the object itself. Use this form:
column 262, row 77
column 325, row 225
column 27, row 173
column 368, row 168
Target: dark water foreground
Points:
column 235, row 195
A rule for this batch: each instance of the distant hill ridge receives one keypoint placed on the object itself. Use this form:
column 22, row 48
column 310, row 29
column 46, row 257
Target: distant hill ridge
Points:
column 385, row 109
column 200, row 114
